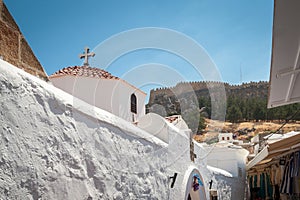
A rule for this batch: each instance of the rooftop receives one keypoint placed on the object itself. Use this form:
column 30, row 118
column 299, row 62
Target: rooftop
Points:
column 84, row 71
column 173, row 118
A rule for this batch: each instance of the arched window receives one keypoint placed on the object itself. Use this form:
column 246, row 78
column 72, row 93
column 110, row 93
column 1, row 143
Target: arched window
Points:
column 133, row 104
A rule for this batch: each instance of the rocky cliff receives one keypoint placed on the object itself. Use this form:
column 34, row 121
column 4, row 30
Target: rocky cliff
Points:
column 173, row 98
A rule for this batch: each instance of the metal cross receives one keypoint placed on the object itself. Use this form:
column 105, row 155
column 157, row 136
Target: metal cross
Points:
column 86, row 56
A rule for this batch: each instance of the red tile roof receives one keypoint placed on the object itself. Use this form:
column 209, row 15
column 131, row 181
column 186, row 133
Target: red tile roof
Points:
column 84, row 71
column 172, row 118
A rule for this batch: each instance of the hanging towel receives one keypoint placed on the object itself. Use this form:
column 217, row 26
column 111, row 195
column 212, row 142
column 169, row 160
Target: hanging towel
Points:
column 291, row 175
column 277, row 175
column 273, row 174
column 258, row 179
column 297, row 163
column 292, row 166
column 269, row 186
column 262, row 191
column 255, row 181
column 285, row 178
column 250, row 182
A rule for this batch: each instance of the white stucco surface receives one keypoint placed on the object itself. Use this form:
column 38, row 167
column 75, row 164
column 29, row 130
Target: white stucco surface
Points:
column 55, row 146
column 156, row 125
column 232, row 159
column 225, row 137
column 108, row 94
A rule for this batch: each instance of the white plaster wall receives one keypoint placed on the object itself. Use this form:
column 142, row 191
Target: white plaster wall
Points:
column 178, row 159
column 230, row 158
column 55, row 147
column 227, row 158
column 255, row 139
column 123, row 91
column 155, row 125
column 180, row 123
column 242, row 156
column 108, row 94
column 226, row 136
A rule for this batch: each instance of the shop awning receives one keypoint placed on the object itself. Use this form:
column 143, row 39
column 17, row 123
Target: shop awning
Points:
column 285, row 60
column 275, row 150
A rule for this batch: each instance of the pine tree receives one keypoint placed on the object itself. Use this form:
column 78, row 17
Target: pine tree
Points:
column 234, row 114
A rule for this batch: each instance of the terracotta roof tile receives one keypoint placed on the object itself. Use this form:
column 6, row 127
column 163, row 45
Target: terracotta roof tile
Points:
column 171, row 119
column 84, row 71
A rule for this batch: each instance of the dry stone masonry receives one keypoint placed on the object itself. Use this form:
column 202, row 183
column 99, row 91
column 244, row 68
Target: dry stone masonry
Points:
column 14, row 48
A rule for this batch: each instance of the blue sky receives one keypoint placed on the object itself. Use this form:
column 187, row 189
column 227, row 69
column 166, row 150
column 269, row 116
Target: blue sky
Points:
column 236, row 34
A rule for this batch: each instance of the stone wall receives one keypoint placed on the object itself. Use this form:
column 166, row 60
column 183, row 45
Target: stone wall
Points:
column 14, row 48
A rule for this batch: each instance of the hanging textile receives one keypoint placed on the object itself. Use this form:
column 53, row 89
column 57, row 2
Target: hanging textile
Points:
column 296, row 163
column 250, row 182
column 255, row 181
column 262, row 191
column 269, row 186
column 291, row 180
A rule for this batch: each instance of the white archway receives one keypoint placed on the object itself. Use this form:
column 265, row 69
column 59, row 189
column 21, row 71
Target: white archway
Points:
column 188, row 182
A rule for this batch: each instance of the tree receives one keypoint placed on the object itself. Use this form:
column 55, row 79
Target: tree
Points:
column 234, row 114
column 260, row 110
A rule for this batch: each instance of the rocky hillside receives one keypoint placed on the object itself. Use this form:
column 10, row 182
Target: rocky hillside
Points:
column 246, row 130
column 244, row 102
column 169, row 96
column 201, row 88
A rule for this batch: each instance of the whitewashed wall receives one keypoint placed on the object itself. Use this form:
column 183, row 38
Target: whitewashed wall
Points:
column 228, row 157
column 108, row 94
column 178, row 159
column 53, row 147
column 227, row 137
column 232, row 159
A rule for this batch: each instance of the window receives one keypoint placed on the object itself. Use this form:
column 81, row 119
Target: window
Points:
column 133, row 104
column 227, row 138
column 223, row 138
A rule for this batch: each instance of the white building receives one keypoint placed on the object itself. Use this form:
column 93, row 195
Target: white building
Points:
column 228, row 137
column 101, row 89
column 177, row 121
column 159, row 126
column 228, row 157
column 106, row 149
column 231, row 158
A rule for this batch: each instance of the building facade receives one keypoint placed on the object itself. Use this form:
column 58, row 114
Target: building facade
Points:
column 103, row 90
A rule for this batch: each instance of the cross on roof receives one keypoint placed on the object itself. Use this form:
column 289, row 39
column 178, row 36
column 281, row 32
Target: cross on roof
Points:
column 86, row 54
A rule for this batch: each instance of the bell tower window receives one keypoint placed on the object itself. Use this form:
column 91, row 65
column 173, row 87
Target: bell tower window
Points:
column 133, row 104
